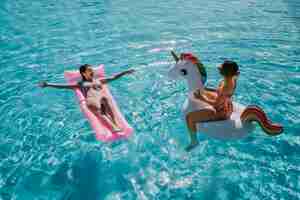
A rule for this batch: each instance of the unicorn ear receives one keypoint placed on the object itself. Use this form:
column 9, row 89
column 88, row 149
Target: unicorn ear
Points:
column 176, row 58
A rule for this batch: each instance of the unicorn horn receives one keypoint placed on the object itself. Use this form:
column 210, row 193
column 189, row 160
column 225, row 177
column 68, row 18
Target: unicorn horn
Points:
column 175, row 56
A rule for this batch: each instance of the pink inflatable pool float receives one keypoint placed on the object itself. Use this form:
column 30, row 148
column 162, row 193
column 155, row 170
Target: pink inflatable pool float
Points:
column 102, row 130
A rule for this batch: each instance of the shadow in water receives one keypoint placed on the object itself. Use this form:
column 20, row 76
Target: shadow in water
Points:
column 294, row 12
column 91, row 178
column 220, row 187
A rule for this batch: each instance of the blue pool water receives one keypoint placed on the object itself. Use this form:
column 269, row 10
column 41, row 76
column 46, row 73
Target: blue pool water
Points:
column 47, row 148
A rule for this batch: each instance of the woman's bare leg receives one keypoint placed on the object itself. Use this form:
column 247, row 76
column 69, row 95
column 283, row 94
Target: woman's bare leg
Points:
column 192, row 119
column 99, row 106
column 107, row 111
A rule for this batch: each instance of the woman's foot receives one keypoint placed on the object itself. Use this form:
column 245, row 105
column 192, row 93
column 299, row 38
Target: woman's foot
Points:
column 191, row 146
column 112, row 124
column 117, row 129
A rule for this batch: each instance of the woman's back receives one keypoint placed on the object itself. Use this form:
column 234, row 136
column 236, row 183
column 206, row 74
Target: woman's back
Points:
column 223, row 105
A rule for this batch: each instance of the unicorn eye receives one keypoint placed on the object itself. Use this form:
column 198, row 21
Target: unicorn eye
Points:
column 183, row 72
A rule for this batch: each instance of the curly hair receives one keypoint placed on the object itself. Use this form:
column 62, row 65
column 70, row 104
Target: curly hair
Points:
column 229, row 68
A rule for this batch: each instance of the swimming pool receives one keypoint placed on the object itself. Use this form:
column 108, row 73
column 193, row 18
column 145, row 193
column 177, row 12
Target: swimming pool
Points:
column 47, row 148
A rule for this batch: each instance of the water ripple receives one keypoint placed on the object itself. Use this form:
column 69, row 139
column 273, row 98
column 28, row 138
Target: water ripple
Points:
column 47, row 148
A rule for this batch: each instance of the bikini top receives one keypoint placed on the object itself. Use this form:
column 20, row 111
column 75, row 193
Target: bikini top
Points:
column 85, row 86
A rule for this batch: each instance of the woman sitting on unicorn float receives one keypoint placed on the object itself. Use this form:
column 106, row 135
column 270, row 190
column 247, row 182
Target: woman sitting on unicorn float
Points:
column 213, row 109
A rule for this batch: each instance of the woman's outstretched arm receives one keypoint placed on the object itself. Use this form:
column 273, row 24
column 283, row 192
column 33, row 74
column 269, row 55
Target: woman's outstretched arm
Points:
column 117, row 76
column 44, row 84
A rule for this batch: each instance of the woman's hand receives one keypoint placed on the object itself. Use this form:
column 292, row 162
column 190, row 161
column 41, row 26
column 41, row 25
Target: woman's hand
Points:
column 43, row 84
column 197, row 94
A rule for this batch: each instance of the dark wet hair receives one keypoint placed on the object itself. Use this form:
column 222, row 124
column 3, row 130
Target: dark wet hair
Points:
column 229, row 68
column 83, row 68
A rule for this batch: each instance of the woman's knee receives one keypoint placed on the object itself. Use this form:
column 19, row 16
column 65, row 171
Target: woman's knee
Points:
column 91, row 103
column 104, row 101
column 92, row 106
column 189, row 117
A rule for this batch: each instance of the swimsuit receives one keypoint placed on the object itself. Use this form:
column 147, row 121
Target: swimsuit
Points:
column 92, row 94
column 223, row 106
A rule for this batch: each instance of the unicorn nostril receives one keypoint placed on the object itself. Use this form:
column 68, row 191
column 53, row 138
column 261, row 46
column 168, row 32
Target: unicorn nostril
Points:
column 183, row 72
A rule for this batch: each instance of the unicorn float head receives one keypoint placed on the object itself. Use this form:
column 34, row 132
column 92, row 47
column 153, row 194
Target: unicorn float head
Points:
column 239, row 125
column 190, row 68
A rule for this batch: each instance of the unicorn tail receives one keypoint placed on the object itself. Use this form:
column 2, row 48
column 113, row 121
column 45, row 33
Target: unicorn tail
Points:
column 255, row 113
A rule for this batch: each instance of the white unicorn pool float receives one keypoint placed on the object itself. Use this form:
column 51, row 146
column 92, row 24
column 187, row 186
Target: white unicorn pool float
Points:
column 238, row 125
